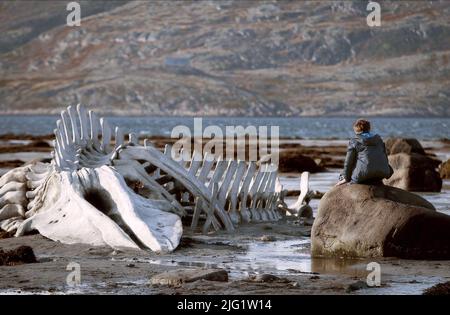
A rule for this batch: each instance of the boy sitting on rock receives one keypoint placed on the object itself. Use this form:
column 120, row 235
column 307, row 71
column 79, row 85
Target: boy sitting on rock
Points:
column 366, row 161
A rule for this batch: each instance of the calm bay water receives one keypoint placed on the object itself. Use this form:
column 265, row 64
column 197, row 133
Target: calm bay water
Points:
column 305, row 127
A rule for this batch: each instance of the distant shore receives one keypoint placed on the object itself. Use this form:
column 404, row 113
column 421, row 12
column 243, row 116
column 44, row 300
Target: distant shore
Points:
column 16, row 150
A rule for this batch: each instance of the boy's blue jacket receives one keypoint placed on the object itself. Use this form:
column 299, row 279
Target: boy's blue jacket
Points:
column 366, row 159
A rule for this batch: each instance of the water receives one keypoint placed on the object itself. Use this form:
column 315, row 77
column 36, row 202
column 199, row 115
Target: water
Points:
column 304, row 127
column 284, row 257
column 323, row 182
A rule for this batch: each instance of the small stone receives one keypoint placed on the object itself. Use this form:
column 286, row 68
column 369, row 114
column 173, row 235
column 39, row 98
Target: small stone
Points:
column 131, row 265
column 317, row 194
column 314, row 277
column 180, row 276
column 268, row 238
column 265, row 277
column 358, row 285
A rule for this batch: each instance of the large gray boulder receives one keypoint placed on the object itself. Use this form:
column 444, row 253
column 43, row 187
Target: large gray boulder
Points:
column 414, row 172
column 404, row 145
column 379, row 221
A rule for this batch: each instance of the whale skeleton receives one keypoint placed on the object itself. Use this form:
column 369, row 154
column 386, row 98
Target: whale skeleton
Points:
column 101, row 189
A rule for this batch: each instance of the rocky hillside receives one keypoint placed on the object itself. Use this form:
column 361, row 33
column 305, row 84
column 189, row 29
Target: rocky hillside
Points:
column 226, row 58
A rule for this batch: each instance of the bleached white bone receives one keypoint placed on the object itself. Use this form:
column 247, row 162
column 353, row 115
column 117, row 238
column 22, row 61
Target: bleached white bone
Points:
column 85, row 160
column 243, row 194
column 169, row 166
column 233, row 193
column 304, row 189
column 11, row 224
column 11, row 210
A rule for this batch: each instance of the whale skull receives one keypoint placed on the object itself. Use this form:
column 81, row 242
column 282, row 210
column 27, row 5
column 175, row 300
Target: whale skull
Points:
column 100, row 190
column 82, row 198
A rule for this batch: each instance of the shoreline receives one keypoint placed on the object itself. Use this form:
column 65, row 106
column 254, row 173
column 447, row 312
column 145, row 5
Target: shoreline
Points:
column 243, row 256
column 280, row 249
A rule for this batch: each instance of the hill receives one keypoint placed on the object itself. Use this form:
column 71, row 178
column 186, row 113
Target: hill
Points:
column 268, row 58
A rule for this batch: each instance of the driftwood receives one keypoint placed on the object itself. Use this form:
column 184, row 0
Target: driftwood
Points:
column 101, row 189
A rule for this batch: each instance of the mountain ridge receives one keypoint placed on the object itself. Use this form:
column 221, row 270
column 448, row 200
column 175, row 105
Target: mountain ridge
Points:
column 229, row 58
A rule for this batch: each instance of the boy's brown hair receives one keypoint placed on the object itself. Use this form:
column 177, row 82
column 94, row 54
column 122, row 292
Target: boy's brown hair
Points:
column 361, row 125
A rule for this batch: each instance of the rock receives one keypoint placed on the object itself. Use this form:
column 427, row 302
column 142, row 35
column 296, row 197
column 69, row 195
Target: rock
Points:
column 40, row 144
column 413, row 169
column 379, row 221
column 266, row 277
column 444, row 170
column 5, row 234
column 180, row 276
column 292, row 161
column 358, row 285
column 18, row 256
column 316, row 194
column 414, row 172
column 403, row 145
column 268, row 238
column 305, row 211
column 438, row 289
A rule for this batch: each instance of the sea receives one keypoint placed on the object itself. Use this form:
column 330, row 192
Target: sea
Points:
column 288, row 127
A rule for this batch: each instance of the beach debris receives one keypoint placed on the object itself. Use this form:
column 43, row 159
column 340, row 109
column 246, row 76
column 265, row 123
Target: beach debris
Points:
column 100, row 189
column 17, row 256
column 179, row 276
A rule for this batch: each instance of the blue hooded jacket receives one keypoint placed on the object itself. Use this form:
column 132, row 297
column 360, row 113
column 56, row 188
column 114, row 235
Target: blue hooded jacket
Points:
column 366, row 159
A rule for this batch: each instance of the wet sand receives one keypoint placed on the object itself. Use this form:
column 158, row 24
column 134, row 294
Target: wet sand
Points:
column 106, row 271
column 243, row 254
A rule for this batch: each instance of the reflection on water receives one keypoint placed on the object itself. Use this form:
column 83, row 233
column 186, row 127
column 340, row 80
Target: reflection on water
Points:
column 351, row 267
column 287, row 257
column 279, row 257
